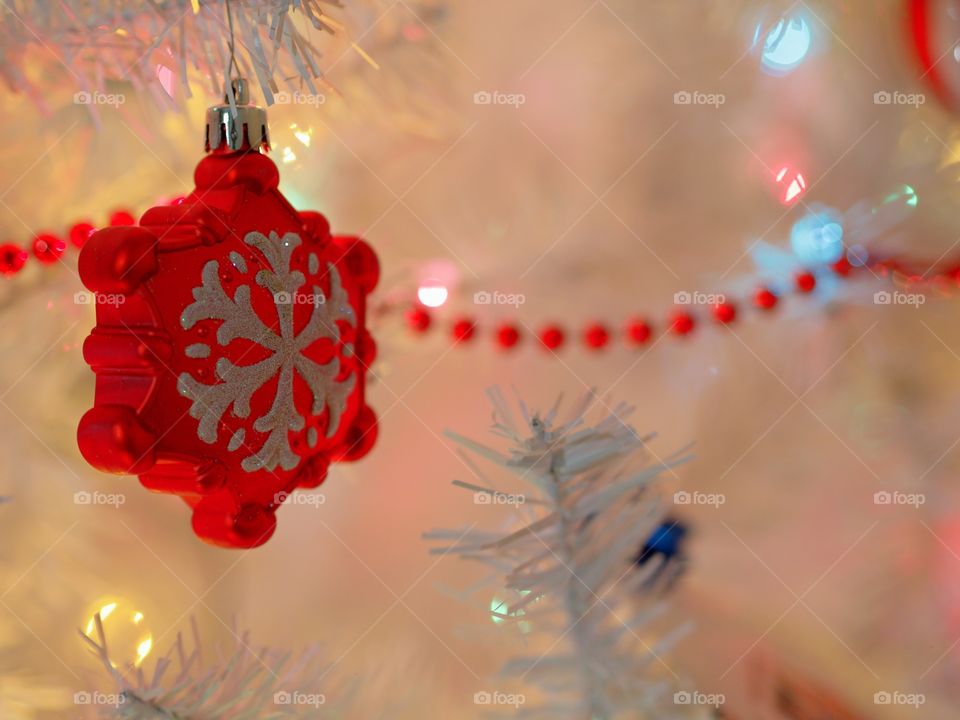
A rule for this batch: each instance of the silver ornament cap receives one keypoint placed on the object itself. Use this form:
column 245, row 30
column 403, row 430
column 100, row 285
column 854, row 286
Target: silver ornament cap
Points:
column 238, row 126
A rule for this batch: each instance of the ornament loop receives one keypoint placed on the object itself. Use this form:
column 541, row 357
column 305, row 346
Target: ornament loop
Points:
column 237, row 124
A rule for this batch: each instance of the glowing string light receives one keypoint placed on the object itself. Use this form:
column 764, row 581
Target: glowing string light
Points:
column 817, row 238
column 432, row 295
column 133, row 635
column 904, row 194
column 500, row 610
column 785, row 45
column 791, row 182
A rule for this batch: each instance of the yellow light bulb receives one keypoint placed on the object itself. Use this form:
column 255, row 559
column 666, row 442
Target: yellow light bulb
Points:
column 128, row 638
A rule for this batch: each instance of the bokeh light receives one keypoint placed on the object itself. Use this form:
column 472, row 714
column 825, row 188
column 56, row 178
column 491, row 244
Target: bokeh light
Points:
column 500, row 607
column 817, row 238
column 432, row 294
column 904, row 195
column 785, row 45
column 791, row 183
column 125, row 630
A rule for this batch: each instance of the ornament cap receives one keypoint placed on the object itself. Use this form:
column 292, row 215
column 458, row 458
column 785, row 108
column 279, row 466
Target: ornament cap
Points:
column 237, row 126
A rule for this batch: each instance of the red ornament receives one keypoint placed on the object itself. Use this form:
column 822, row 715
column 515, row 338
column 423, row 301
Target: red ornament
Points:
column 507, row 336
column 596, row 336
column 638, row 332
column 806, row 282
column 12, row 258
column 682, row 323
column 48, row 248
column 464, row 329
column 418, row 319
column 552, row 337
column 725, row 312
column 80, row 233
column 234, row 369
column 765, row 299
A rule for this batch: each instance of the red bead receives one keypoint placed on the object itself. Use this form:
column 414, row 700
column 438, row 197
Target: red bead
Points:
column 638, row 331
column 725, row 312
column 463, row 329
column 552, row 337
column 764, row 299
column 842, row 267
column 12, row 258
column 48, row 248
column 80, row 233
column 122, row 217
column 507, row 336
column 806, row 282
column 418, row 319
column 596, row 336
column 682, row 323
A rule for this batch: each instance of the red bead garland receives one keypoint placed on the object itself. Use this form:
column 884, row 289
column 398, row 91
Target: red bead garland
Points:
column 596, row 336
column 508, row 336
column 12, row 258
column 805, row 282
column 418, row 319
column 725, row 312
column 842, row 267
column 552, row 337
column 765, row 299
column 464, row 329
column 638, row 331
column 48, row 248
column 682, row 323
column 122, row 217
column 80, row 233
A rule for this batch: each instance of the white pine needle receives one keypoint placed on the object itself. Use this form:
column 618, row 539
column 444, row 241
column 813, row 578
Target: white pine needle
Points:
column 568, row 561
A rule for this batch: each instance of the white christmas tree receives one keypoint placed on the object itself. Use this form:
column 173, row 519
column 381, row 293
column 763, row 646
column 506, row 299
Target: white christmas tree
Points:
column 570, row 562
column 249, row 684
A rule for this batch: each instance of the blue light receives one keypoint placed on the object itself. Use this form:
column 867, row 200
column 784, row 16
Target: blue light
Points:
column 817, row 238
column 786, row 44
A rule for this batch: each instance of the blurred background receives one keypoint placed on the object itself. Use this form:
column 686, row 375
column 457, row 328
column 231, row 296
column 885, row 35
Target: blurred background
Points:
column 596, row 157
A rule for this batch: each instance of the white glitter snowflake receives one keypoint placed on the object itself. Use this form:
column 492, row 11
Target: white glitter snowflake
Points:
column 238, row 383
